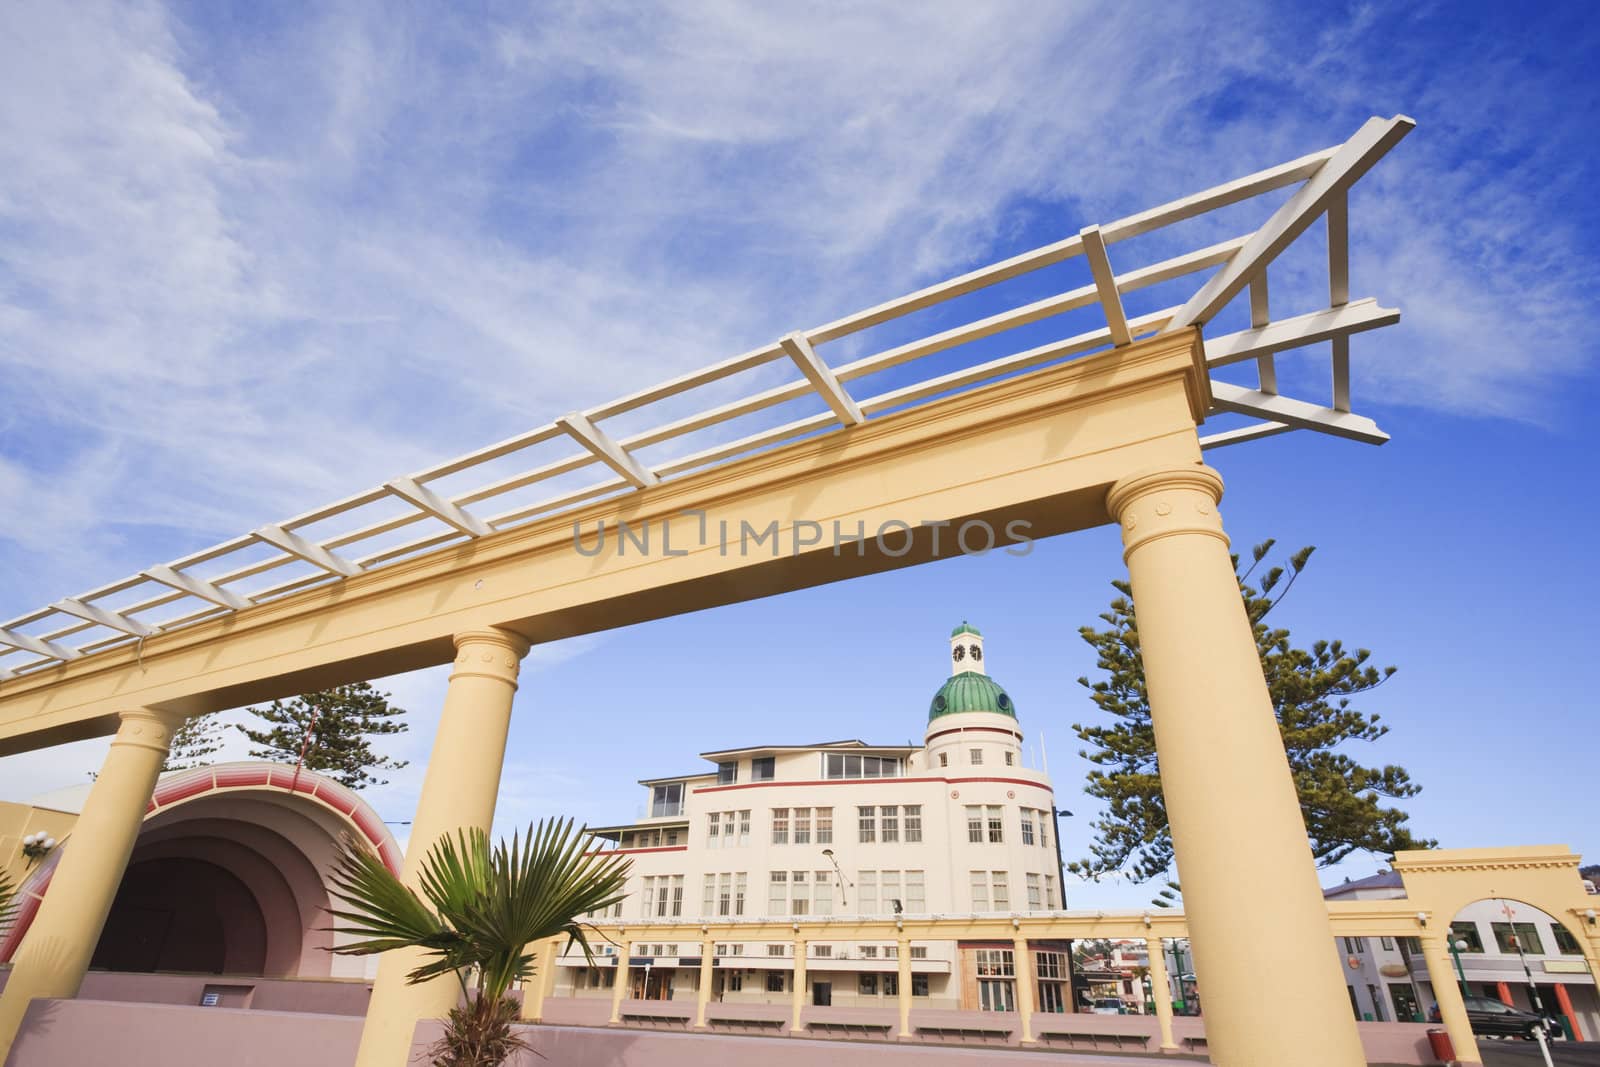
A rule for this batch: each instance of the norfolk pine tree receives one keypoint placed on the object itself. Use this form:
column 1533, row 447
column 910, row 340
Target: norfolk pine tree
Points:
column 345, row 717
column 194, row 744
column 1311, row 691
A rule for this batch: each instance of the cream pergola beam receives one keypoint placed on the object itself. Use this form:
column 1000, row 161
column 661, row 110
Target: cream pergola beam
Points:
column 1299, row 331
column 426, row 499
column 606, row 449
column 822, row 379
column 111, row 620
column 197, row 587
column 1254, row 432
column 1353, row 159
column 1274, row 407
column 307, row 550
column 1105, row 283
column 38, row 646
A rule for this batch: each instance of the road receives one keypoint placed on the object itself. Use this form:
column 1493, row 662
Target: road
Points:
column 1526, row 1053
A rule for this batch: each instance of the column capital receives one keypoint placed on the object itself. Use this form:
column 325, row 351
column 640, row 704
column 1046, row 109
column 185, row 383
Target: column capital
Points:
column 489, row 653
column 147, row 728
column 1177, row 500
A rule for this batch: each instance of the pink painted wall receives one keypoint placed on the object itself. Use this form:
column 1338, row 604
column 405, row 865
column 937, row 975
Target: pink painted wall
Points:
column 184, row 1035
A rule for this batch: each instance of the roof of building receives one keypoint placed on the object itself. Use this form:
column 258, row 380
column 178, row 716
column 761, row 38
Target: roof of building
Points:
column 1381, row 880
column 852, row 744
column 966, row 628
column 971, row 691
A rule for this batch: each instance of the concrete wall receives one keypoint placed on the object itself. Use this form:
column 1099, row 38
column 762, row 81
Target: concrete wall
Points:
column 319, row 996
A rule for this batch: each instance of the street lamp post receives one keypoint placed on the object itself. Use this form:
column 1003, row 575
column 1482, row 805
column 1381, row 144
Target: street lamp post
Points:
column 1533, row 990
column 1457, row 947
column 1177, row 960
column 828, row 852
column 1061, row 865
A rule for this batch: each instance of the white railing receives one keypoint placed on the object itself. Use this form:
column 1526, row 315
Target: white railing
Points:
column 419, row 512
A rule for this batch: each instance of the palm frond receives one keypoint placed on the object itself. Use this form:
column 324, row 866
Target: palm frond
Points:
column 480, row 906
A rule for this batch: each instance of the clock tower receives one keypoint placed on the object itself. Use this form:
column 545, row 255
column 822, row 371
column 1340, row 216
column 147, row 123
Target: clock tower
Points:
column 966, row 651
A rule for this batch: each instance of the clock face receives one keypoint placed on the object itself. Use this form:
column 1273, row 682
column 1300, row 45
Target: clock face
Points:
column 977, row 653
column 959, row 653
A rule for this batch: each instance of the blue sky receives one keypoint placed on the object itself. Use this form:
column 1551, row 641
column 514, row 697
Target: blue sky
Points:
column 254, row 258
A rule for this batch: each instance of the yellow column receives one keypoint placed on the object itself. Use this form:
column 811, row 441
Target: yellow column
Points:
column 1161, row 990
column 62, row 939
column 1230, row 798
column 1022, row 967
column 797, row 996
column 624, row 975
column 708, row 956
column 534, row 992
column 903, row 958
column 458, row 793
column 1447, row 993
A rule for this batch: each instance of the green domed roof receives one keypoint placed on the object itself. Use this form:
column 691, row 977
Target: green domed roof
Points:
column 966, row 628
column 971, row 691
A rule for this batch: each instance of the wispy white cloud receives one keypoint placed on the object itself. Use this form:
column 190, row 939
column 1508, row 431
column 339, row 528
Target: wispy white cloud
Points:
column 243, row 271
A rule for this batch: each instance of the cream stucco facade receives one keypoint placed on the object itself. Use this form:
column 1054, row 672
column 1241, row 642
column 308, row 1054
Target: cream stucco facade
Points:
column 958, row 826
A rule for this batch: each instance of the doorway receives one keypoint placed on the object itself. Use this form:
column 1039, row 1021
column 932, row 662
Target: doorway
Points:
column 822, row 994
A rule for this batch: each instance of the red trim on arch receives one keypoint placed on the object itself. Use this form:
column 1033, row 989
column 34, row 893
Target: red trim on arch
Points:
column 872, row 781
column 978, row 730
column 187, row 785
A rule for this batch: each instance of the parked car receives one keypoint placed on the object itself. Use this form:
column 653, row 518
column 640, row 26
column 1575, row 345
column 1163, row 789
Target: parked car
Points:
column 1106, row 1006
column 1491, row 1018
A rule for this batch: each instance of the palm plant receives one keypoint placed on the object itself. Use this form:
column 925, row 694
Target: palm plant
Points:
column 478, row 911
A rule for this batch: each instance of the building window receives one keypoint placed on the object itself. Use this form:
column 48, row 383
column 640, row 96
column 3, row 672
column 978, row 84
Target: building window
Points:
column 774, row 981
column 889, row 883
column 869, row 952
column 739, row 883
column 824, row 826
column 1051, row 968
column 867, row 824
column 979, row 881
column 916, row 898
column 1566, row 944
column 1376, row 997
column 763, row 769
column 1027, row 826
column 1050, row 898
column 780, row 826
column 944, row 759
column 802, row 826
column 996, row 985
column 1002, row 893
column 822, row 951
column 997, row 826
column 778, row 893
column 1387, row 943
column 975, row 757
column 889, row 823
column 867, row 892
column 1468, row 932
column 919, row 985
column 727, row 772
column 1035, row 893
column 714, row 832
column 1507, row 936
column 744, row 827
column 777, row 950
column 735, row 981
column 799, row 902
column 677, row 895
column 919, row 952
column 708, row 902
column 822, row 892
column 868, row 986
column 974, row 824
column 913, row 822
column 891, row 952
column 666, row 800
column 1355, row 946
column 891, row 985
column 835, row 765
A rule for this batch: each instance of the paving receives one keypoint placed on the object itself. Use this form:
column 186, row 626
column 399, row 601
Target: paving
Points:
column 1526, row 1053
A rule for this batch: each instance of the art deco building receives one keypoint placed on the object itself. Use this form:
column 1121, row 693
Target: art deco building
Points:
column 959, row 825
